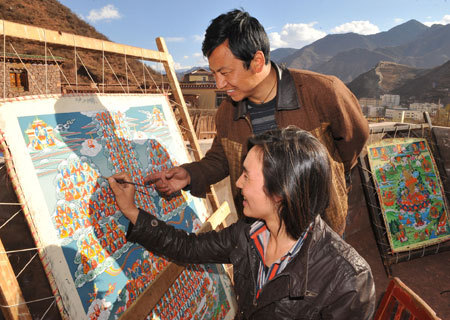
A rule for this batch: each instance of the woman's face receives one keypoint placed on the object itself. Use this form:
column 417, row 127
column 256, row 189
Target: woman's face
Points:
column 251, row 182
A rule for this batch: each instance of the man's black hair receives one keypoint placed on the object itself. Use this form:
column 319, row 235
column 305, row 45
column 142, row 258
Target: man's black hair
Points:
column 244, row 33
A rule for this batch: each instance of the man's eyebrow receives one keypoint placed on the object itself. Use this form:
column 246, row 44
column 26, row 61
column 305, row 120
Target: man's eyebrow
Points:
column 218, row 70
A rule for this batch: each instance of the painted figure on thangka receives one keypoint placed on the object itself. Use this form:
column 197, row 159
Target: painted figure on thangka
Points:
column 73, row 153
column 412, row 199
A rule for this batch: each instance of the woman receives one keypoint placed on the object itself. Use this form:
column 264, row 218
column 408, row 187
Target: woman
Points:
column 288, row 263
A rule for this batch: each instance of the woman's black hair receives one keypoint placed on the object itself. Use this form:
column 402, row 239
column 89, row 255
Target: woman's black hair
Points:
column 244, row 33
column 296, row 168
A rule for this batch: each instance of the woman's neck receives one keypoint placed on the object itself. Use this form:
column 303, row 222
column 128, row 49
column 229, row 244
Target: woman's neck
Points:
column 280, row 242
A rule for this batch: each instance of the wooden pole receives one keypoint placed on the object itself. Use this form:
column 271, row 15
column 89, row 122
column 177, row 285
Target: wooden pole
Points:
column 12, row 302
column 23, row 31
column 181, row 104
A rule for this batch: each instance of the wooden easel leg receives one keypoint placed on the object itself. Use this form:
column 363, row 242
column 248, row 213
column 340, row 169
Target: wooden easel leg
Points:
column 12, row 302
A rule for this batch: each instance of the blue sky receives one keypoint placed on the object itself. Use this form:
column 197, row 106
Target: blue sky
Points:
column 289, row 23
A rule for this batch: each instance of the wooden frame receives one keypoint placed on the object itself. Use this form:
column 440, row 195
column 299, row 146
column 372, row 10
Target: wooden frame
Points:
column 399, row 302
column 380, row 132
column 17, row 30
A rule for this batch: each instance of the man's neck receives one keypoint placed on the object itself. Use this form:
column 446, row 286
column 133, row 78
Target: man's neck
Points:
column 266, row 90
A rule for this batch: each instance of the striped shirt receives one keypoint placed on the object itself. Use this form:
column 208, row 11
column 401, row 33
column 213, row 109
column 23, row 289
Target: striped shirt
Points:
column 262, row 116
column 260, row 236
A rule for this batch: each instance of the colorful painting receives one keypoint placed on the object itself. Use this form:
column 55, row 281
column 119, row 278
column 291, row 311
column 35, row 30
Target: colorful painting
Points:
column 63, row 148
column 410, row 191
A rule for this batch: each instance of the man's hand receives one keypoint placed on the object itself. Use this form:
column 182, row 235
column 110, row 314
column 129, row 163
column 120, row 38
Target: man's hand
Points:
column 124, row 194
column 169, row 181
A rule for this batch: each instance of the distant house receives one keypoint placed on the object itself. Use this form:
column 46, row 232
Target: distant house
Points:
column 29, row 75
column 200, row 75
column 199, row 89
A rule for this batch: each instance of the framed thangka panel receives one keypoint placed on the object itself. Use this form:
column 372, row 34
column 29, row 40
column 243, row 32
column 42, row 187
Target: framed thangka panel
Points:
column 62, row 147
column 410, row 193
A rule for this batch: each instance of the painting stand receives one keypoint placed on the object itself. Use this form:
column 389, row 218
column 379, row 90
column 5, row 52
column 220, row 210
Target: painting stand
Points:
column 17, row 30
column 401, row 130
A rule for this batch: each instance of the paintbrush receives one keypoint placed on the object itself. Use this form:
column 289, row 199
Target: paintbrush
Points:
column 121, row 181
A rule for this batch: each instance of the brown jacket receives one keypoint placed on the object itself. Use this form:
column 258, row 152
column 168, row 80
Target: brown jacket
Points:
column 320, row 104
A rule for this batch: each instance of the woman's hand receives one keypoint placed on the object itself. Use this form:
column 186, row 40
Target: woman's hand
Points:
column 124, row 193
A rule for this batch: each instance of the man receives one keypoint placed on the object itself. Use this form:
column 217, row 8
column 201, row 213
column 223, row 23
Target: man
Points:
column 263, row 96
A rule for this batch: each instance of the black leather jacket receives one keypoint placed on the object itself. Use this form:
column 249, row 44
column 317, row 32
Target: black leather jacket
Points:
column 328, row 279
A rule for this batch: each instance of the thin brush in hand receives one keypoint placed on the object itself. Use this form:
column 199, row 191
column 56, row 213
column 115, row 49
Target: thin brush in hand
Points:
column 121, row 181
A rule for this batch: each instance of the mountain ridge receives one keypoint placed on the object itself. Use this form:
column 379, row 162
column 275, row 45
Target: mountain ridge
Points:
column 410, row 43
column 412, row 84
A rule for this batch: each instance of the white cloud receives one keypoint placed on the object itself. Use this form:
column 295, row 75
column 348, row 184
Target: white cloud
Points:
column 399, row 20
column 179, row 66
column 174, row 39
column 360, row 27
column 295, row 35
column 79, row 15
column 198, row 38
column 108, row 12
column 196, row 60
column 445, row 20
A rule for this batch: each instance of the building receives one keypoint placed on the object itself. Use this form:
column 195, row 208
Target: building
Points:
column 200, row 75
column 371, row 107
column 402, row 115
column 374, row 112
column 431, row 108
column 201, row 85
column 370, row 102
column 29, row 75
column 390, row 100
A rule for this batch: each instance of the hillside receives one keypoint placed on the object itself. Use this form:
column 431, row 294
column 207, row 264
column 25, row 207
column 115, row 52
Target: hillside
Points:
column 349, row 55
column 349, row 64
column 412, row 84
column 51, row 14
column 281, row 53
column 431, row 86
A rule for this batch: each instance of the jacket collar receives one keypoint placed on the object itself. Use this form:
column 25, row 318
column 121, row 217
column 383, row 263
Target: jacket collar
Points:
column 295, row 276
column 286, row 94
column 299, row 280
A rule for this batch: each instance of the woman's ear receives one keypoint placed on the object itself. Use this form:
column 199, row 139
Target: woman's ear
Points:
column 277, row 199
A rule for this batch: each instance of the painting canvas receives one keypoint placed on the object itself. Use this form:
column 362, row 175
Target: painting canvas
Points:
column 412, row 199
column 62, row 148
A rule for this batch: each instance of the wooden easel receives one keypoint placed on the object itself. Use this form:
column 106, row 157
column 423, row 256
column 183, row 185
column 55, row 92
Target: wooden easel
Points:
column 10, row 293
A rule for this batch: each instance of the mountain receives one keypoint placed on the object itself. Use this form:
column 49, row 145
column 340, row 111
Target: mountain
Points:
column 412, row 84
column 324, row 49
column 281, row 53
column 430, row 49
column 51, row 14
column 382, row 79
column 349, row 64
column 430, row 86
column 397, row 35
column 349, row 55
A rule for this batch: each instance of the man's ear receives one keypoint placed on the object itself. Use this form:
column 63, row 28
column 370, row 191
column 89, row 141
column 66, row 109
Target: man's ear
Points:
column 258, row 61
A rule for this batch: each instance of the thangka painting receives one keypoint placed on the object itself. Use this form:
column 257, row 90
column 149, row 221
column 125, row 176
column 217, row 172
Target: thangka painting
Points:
column 410, row 191
column 62, row 148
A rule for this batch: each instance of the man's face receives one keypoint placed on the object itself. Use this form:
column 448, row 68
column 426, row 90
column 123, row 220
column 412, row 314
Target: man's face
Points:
column 230, row 73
